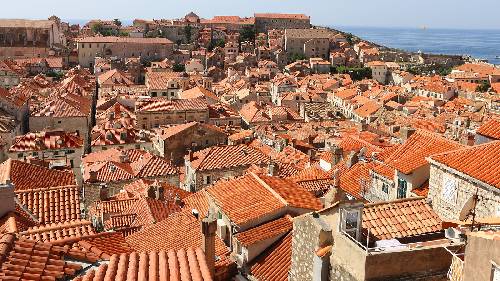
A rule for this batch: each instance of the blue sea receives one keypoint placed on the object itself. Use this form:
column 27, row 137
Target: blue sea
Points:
column 483, row 44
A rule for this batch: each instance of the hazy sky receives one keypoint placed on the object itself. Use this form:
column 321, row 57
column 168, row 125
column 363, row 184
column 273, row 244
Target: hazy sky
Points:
column 387, row 13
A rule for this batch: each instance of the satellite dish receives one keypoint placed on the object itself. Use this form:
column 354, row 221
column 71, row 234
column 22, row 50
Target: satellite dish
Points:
column 467, row 208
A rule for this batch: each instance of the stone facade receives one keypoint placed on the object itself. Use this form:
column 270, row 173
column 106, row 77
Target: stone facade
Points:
column 154, row 119
column 193, row 138
column 148, row 49
column 463, row 188
column 196, row 180
column 266, row 22
column 310, row 234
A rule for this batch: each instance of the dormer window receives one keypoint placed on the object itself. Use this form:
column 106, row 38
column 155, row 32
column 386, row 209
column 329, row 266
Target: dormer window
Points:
column 350, row 222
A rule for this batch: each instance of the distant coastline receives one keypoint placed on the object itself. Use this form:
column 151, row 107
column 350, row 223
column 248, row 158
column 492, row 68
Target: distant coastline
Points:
column 480, row 44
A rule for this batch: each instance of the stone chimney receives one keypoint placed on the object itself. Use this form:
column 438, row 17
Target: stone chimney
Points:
column 337, row 153
column 208, row 228
column 273, row 169
column 92, row 176
column 352, row 159
column 7, row 198
column 123, row 157
column 406, row 133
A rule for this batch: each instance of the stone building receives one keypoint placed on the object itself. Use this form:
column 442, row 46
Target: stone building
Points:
column 10, row 74
column 147, row 49
column 106, row 172
column 20, row 38
column 311, row 43
column 70, row 113
column 405, row 171
column 209, row 165
column 175, row 141
column 456, row 177
column 58, row 148
column 332, row 243
column 265, row 22
column 154, row 112
column 166, row 84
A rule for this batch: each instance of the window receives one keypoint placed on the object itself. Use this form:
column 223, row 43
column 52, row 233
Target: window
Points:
column 219, row 215
column 402, row 187
column 449, row 192
column 207, row 179
column 19, row 155
column 385, row 188
column 83, row 46
column 350, row 221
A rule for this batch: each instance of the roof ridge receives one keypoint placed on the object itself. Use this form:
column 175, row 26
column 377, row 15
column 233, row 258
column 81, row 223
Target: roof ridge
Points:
column 466, row 148
column 395, row 201
column 270, row 189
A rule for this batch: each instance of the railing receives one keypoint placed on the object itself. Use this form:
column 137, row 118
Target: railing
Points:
column 456, row 271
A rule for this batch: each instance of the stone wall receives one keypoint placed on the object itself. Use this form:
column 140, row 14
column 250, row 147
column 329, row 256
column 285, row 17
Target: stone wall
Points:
column 309, row 234
column 488, row 205
column 479, row 255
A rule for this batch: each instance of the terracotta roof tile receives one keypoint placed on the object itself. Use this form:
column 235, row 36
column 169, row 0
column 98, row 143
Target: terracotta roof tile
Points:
column 275, row 263
column 179, row 231
column 223, row 157
column 400, row 218
column 411, row 154
column 22, row 259
column 52, row 140
column 52, row 205
column 27, row 176
column 356, row 180
column 163, row 104
column 182, row 265
column 490, row 128
column 265, row 231
column 58, row 231
column 480, row 162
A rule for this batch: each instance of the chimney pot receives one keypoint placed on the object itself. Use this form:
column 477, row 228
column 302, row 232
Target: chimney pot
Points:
column 208, row 228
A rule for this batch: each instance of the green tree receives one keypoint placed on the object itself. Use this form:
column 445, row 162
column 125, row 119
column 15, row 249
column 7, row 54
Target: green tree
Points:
column 178, row 67
column 216, row 43
column 295, row 57
column 483, row 87
column 117, row 22
column 188, row 32
column 97, row 28
column 247, row 34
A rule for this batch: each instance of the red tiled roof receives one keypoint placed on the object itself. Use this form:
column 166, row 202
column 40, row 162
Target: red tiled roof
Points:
column 490, row 129
column 22, row 259
column 411, row 154
column 356, row 180
column 162, row 104
column 112, row 39
column 223, row 157
column 400, row 218
column 182, row 265
column 179, row 231
column 52, row 140
column 166, row 133
column 27, row 176
column 103, row 245
column 251, row 197
column 69, row 105
column 114, row 77
column 265, row 231
column 137, row 164
column 52, row 205
column 99, row 208
column 275, row 263
column 58, row 231
column 481, row 162
column 198, row 92
column 140, row 188
column 149, row 211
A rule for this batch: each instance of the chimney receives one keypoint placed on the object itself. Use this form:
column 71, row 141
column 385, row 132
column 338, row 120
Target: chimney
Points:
column 92, row 176
column 273, row 169
column 337, row 153
column 104, row 192
column 406, row 133
column 208, row 228
column 353, row 159
column 336, row 178
column 178, row 201
column 123, row 157
column 7, row 198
